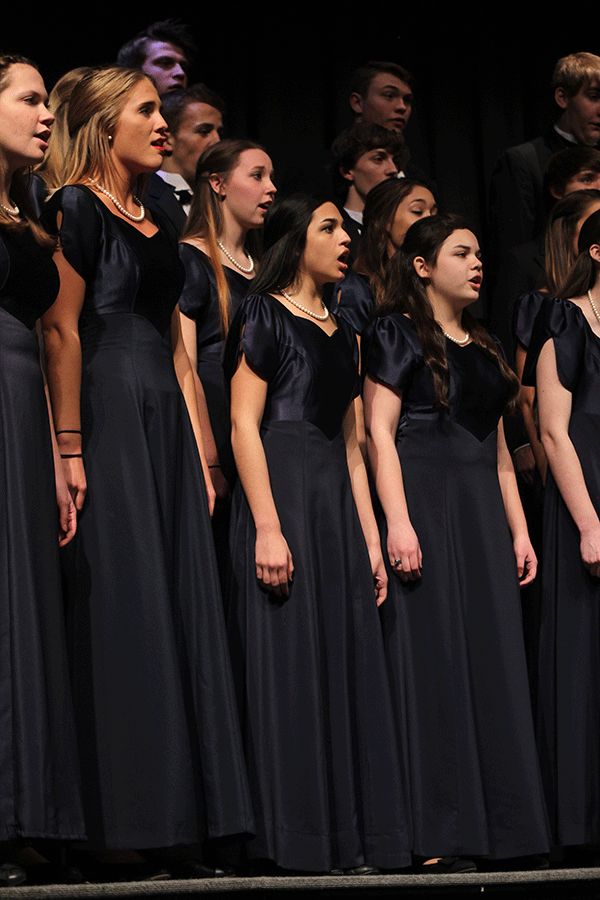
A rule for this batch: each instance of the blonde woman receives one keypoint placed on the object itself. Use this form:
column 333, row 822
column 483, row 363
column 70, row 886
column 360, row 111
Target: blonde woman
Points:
column 161, row 755
column 39, row 796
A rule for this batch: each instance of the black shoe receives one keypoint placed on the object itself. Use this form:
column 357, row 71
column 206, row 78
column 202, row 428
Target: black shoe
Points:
column 362, row 870
column 194, row 868
column 49, row 873
column 11, row 875
column 448, row 865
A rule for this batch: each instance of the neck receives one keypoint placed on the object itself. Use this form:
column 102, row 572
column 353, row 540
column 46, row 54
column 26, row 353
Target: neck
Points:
column 120, row 184
column 308, row 292
column 233, row 235
column 168, row 165
column 445, row 313
column 354, row 201
column 6, row 176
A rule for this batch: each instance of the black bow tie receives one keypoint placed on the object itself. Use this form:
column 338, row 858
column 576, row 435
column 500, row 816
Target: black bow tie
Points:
column 184, row 196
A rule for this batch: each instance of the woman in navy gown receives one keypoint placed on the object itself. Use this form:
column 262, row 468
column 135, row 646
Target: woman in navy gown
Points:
column 454, row 533
column 159, row 739
column 39, row 772
column 564, row 358
column 220, row 252
column 307, row 567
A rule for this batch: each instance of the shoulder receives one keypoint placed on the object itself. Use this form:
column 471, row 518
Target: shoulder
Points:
column 391, row 349
column 527, row 309
column 256, row 331
column 395, row 329
column 563, row 322
column 199, row 280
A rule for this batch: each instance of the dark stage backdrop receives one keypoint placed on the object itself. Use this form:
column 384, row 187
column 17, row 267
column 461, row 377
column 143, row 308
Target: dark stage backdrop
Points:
column 482, row 78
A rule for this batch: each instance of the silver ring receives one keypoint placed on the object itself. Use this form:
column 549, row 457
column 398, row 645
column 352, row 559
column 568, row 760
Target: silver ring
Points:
column 397, row 562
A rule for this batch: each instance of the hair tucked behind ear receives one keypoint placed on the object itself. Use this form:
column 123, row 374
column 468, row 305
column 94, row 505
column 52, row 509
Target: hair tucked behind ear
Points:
column 205, row 219
column 405, row 292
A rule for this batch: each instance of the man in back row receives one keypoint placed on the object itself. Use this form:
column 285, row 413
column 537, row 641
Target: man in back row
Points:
column 517, row 211
column 163, row 50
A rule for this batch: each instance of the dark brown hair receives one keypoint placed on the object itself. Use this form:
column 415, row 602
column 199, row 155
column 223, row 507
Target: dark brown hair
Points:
column 406, row 293
column 380, row 208
column 584, row 272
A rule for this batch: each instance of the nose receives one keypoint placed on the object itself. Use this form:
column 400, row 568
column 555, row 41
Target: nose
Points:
column 178, row 74
column 345, row 238
column 392, row 169
column 161, row 125
column 47, row 118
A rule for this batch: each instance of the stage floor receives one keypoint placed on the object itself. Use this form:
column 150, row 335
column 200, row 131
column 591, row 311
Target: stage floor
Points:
column 566, row 884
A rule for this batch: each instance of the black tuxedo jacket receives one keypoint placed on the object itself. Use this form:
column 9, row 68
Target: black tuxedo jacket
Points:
column 161, row 197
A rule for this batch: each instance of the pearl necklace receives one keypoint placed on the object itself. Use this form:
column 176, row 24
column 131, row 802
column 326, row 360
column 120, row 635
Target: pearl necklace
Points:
column 122, row 208
column 593, row 305
column 309, row 312
column 235, row 262
column 15, row 211
column 456, row 340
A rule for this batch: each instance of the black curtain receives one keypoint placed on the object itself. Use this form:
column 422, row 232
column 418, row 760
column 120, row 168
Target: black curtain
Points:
column 482, row 79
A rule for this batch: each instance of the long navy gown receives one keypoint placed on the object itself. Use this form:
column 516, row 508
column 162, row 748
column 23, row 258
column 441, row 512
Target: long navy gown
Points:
column 39, row 770
column 569, row 661
column 316, row 712
column 453, row 638
column 160, row 745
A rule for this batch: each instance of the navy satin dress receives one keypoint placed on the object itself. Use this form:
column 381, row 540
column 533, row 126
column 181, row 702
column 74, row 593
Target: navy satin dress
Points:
column 160, row 745
column 317, row 718
column 453, row 638
column 354, row 300
column 39, row 770
column 199, row 301
column 569, row 662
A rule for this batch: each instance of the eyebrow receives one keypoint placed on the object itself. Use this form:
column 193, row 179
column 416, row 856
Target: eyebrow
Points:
column 467, row 247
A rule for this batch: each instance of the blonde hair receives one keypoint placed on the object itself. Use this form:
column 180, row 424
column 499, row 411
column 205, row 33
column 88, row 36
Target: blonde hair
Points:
column 94, row 109
column 51, row 169
column 205, row 219
column 573, row 71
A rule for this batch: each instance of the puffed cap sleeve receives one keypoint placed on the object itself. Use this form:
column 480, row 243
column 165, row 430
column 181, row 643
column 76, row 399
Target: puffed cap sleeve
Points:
column 196, row 295
column 355, row 301
column 256, row 332
column 527, row 308
column 80, row 228
column 391, row 350
column 564, row 323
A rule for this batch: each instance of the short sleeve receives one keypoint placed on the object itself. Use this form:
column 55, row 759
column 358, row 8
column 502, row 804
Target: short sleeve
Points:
column 564, row 323
column 355, row 302
column 256, row 332
column 81, row 227
column 527, row 308
column 196, row 295
column 391, row 350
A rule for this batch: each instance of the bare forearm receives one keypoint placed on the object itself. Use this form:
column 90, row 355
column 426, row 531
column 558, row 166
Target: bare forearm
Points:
column 251, row 464
column 568, row 474
column 63, row 368
column 387, row 473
